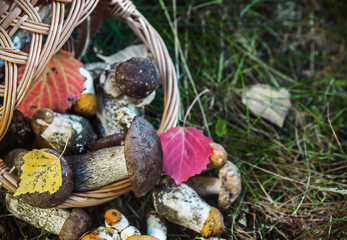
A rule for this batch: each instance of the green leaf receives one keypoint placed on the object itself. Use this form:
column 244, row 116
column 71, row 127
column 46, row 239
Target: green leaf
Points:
column 221, row 127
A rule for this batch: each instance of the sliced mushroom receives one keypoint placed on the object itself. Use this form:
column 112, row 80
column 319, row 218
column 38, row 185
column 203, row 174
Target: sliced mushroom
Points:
column 69, row 225
column 228, row 185
column 180, row 204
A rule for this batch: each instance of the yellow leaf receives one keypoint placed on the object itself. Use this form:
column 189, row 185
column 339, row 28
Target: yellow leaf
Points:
column 41, row 173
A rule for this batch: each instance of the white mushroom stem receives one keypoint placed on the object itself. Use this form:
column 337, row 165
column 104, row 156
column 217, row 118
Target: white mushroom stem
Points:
column 129, row 231
column 115, row 115
column 182, row 205
column 156, row 226
column 68, row 224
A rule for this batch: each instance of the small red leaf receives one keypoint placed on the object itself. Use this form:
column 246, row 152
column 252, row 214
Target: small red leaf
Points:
column 186, row 152
column 56, row 87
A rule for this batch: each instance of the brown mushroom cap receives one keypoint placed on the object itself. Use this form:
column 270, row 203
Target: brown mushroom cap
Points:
column 76, row 225
column 46, row 199
column 137, row 77
column 144, row 156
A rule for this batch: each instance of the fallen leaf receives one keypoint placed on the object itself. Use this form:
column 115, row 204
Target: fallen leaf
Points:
column 57, row 86
column 140, row 51
column 186, row 152
column 41, row 173
column 267, row 102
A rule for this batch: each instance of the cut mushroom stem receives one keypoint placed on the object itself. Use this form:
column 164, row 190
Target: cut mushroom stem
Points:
column 180, row 204
column 228, row 185
column 156, row 226
column 69, row 225
column 140, row 160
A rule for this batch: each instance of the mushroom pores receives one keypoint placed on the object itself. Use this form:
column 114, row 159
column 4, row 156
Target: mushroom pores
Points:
column 46, row 199
column 137, row 77
column 144, row 156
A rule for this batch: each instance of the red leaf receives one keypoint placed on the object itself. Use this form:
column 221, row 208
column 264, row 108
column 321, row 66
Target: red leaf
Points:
column 186, row 152
column 56, row 87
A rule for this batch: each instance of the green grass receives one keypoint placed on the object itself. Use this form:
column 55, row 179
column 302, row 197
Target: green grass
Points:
column 295, row 177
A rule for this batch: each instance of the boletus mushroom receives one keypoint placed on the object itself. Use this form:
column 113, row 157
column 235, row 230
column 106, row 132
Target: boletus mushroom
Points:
column 69, row 225
column 181, row 205
column 219, row 156
column 227, row 186
column 54, row 130
column 44, row 199
column 137, row 77
column 139, row 160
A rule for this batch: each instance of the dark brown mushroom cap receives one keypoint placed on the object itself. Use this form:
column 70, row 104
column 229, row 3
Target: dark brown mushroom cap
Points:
column 144, row 156
column 46, row 199
column 137, row 77
column 75, row 225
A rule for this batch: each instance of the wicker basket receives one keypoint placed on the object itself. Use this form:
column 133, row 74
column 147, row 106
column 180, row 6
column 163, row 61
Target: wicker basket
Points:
column 66, row 16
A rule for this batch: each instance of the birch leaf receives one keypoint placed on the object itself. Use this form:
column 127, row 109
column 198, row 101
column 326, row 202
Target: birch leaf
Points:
column 186, row 152
column 41, row 173
column 267, row 102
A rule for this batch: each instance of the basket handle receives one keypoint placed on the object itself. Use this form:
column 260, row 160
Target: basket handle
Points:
column 126, row 10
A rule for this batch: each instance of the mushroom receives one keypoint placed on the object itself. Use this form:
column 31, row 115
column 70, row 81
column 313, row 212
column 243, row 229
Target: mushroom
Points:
column 128, row 232
column 87, row 104
column 56, row 131
column 181, row 205
column 114, row 115
column 116, row 220
column 228, row 185
column 137, row 77
column 139, row 160
column 102, row 233
column 156, row 226
column 45, row 199
column 219, row 156
column 69, row 225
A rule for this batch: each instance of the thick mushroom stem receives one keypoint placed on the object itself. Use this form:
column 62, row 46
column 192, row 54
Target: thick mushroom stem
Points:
column 156, row 226
column 99, row 168
column 205, row 185
column 182, row 205
column 54, row 220
column 228, row 185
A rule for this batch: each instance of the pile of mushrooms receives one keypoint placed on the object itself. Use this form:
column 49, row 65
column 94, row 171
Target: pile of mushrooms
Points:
column 105, row 140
